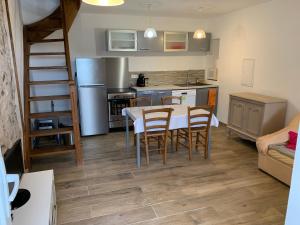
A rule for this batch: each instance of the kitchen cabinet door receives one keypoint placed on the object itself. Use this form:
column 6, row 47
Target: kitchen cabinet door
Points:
column 122, row 40
column 201, row 96
column 147, row 94
column 237, row 114
column 198, row 45
column 150, row 45
column 154, row 95
column 253, row 121
column 175, row 41
column 157, row 95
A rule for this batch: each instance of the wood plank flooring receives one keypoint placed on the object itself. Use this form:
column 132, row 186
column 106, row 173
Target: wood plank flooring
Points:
column 109, row 190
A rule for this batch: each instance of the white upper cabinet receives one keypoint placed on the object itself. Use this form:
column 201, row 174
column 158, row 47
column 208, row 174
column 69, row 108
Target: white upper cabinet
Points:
column 175, row 41
column 122, row 40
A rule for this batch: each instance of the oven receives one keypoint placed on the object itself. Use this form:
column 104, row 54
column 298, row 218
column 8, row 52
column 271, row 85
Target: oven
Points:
column 117, row 102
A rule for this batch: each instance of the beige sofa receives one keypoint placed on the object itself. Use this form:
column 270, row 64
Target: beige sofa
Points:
column 273, row 161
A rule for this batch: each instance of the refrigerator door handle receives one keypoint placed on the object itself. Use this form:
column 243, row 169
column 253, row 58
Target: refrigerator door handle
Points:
column 91, row 85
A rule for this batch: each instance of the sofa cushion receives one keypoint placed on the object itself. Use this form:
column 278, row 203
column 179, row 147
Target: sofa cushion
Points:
column 291, row 144
column 281, row 153
column 281, row 148
column 281, row 157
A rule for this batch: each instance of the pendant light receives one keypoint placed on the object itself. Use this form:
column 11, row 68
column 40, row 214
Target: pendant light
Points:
column 150, row 32
column 199, row 34
column 104, row 2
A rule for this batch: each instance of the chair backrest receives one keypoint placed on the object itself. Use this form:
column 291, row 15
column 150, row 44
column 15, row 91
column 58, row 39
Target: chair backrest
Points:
column 212, row 97
column 199, row 117
column 171, row 100
column 140, row 101
column 157, row 120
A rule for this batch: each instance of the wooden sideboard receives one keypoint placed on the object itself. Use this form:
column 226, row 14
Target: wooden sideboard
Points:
column 253, row 115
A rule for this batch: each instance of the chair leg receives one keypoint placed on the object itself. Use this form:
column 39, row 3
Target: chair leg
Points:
column 190, row 145
column 177, row 140
column 159, row 145
column 197, row 142
column 172, row 139
column 165, row 150
column 147, row 150
column 206, row 148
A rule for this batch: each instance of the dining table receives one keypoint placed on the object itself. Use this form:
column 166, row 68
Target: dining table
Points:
column 179, row 119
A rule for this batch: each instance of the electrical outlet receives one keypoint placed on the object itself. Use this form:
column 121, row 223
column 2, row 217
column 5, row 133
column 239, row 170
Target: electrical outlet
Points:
column 134, row 76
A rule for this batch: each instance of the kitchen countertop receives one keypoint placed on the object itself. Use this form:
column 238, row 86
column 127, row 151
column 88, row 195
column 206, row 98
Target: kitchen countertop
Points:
column 171, row 87
column 258, row 97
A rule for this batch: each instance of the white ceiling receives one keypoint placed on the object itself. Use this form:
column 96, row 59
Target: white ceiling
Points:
column 34, row 10
column 175, row 8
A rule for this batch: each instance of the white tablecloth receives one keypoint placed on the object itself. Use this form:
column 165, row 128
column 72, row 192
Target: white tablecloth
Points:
column 179, row 118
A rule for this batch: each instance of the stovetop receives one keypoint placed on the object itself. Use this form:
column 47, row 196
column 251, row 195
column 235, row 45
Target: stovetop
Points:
column 120, row 93
column 119, row 90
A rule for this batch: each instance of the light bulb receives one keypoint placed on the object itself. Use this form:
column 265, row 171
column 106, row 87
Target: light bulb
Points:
column 104, row 2
column 199, row 34
column 150, row 33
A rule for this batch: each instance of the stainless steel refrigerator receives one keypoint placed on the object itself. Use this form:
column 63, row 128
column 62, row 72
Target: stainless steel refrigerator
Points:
column 94, row 77
column 92, row 95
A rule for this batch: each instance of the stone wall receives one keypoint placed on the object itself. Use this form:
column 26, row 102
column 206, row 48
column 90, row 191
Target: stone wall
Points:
column 10, row 128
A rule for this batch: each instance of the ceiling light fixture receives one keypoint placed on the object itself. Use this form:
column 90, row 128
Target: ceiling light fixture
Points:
column 150, row 32
column 199, row 34
column 104, row 2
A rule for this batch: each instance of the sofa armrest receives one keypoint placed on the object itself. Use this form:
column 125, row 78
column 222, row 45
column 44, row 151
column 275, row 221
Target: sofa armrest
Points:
column 281, row 136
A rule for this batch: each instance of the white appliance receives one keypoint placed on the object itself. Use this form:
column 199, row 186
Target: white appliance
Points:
column 5, row 197
column 41, row 208
column 188, row 96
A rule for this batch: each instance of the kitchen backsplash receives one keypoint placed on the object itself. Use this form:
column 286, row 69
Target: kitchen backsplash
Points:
column 170, row 77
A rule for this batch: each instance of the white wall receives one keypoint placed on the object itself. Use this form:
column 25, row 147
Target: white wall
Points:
column 84, row 40
column 270, row 33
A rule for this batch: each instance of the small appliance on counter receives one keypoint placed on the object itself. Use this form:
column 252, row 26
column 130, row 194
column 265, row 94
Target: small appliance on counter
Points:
column 140, row 82
column 5, row 197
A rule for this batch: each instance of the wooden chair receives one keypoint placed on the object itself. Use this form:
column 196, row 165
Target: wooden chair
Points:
column 140, row 101
column 198, row 127
column 168, row 100
column 156, row 127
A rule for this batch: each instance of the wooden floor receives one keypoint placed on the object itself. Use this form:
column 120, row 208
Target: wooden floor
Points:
column 108, row 189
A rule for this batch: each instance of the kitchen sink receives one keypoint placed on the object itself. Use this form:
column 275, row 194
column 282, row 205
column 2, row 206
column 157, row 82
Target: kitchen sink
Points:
column 191, row 85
